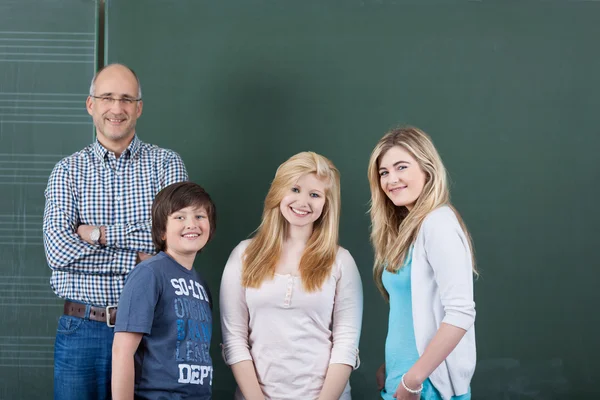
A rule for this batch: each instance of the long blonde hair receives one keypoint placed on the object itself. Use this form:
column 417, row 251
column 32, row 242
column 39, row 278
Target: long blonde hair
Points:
column 262, row 254
column 394, row 229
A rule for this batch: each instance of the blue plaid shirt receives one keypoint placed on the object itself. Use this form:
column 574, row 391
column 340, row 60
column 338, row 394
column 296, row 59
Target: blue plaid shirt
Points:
column 93, row 187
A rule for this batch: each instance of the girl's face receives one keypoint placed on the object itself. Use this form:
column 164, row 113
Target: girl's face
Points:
column 304, row 202
column 401, row 177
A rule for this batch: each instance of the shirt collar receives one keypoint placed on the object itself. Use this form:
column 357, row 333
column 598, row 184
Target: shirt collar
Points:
column 133, row 147
column 99, row 150
column 131, row 150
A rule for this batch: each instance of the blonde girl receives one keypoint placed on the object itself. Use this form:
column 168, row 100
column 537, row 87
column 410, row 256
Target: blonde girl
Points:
column 424, row 267
column 291, row 297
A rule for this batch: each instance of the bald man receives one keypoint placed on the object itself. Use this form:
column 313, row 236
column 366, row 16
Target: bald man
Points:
column 97, row 226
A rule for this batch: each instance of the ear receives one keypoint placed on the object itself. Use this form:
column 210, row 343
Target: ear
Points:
column 88, row 104
column 140, row 106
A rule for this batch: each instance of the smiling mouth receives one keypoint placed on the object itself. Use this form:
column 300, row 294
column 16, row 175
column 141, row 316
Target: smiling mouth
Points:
column 299, row 213
column 397, row 189
column 115, row 121
column 191, row 235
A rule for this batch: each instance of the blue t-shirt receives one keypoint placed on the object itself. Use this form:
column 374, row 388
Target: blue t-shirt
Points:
column 172, row 307
column 400, row 345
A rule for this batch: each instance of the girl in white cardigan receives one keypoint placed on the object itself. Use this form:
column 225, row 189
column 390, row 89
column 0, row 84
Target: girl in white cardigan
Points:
column 424, row 267
column 291, row 298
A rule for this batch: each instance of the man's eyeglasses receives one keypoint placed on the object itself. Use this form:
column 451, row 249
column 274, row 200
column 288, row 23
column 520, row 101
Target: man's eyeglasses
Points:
column 109, row 101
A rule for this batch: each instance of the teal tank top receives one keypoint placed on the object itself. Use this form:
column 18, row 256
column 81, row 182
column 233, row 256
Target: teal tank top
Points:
column 400, row 345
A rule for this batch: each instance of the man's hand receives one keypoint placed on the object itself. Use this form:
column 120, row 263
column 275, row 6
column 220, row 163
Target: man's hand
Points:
column 84, row 232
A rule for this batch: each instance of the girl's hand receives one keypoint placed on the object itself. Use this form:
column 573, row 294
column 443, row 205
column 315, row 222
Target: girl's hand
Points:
column 402, row 394
column 380, row 377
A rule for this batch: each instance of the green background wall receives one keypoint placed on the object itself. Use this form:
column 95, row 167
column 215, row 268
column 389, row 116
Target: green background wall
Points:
column 47, row 59
column 508, row 90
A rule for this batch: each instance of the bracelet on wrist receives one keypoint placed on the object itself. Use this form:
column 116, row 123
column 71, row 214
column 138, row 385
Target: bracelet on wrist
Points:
column 409, row 390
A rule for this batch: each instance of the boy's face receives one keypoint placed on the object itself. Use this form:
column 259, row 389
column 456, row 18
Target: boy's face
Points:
column 187, row 231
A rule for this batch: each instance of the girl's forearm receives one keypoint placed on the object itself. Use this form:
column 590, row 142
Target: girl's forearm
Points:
column 245, row 376
column 335, row 381
column 445, row 340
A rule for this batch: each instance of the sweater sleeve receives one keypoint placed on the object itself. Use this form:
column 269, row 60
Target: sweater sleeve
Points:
column 347, row 313
column 234, row 311
column 449, row 255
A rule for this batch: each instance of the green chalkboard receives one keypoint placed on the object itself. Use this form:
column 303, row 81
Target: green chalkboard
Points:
column 509, row 93
column 47, row 53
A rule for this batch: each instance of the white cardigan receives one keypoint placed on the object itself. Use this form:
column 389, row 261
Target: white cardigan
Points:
column 442, row 291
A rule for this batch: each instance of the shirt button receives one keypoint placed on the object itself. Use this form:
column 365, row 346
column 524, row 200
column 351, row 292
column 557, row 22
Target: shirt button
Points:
column 118, row 198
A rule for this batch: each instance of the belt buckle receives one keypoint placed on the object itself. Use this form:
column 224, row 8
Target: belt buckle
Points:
column 108, row 316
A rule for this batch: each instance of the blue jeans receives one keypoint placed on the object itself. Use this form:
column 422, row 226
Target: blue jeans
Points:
column 82, row 359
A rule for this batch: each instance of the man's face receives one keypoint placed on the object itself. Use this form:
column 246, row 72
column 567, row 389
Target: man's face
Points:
column 115, row 120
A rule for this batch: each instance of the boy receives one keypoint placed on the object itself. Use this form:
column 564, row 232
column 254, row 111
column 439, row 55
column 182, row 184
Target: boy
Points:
column 164, row 322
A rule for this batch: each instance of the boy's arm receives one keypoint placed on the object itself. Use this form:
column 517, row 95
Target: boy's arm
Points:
column 134, row 319
column 125, row 345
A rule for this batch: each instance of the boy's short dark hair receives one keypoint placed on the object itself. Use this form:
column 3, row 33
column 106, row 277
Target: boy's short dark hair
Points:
column 176, row 197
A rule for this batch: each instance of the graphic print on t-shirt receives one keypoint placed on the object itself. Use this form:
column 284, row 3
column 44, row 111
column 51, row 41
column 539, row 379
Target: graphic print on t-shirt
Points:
column 194, row 329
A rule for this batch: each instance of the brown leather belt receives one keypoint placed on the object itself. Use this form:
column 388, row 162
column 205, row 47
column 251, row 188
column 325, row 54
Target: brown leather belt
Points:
column 96, row 313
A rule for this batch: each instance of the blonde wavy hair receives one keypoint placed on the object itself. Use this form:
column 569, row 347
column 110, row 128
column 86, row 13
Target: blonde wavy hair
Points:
column 262, row 254
column 394, row 229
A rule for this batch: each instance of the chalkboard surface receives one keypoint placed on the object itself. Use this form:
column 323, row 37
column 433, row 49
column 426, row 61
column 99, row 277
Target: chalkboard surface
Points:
column 47, row 53
column 509, row 91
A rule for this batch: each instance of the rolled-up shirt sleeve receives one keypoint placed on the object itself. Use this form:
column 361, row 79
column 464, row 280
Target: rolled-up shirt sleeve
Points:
column 449, row 255
column 234, row 311
column 65, row 250
column 347, row 313
column 137, row 235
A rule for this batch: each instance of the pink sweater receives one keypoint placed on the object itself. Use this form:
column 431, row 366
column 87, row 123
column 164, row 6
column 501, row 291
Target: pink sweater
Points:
column 292, row 336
